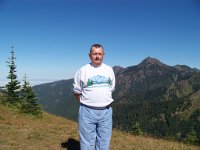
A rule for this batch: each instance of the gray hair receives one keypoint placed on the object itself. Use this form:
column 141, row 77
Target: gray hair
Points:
column 96, row 46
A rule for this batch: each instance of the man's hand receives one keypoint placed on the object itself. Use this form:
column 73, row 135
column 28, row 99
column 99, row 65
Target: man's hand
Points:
column 77, row 96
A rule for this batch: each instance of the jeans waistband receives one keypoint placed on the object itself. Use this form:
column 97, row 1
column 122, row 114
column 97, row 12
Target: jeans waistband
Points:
column 97, row 108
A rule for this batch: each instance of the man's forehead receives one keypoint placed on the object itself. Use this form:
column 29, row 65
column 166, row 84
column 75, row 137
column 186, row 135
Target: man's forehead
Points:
column 97, row 49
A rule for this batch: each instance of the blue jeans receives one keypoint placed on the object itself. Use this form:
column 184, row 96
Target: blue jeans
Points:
column 95, row 128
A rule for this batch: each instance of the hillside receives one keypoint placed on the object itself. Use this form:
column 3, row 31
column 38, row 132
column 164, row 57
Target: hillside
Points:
column 19, row 132
column 57, row 98
column 163, row 99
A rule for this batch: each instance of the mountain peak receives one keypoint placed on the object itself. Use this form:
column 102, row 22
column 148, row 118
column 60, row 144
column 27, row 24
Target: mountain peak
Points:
column 150, row 60
column 186, row 68
column 182, row 67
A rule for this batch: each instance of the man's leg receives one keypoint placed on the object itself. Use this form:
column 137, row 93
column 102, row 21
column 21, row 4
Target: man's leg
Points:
column 104, row 130
column 87, row 128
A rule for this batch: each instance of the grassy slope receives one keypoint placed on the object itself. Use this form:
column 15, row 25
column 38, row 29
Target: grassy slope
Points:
column 19, row 132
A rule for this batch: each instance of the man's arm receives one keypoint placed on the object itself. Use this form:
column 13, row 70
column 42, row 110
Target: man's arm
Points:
column 77, row 85
column 113, row 80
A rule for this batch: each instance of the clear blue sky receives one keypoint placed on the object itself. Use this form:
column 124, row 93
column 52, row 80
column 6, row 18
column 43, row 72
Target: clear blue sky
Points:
column 51, row 38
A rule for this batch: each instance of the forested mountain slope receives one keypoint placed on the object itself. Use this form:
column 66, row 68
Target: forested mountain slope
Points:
column 163, row 100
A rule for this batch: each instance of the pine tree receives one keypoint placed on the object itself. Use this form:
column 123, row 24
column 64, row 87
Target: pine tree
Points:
column 191, row 137
column 29, row 100
column 136, row 130
column 13, row 85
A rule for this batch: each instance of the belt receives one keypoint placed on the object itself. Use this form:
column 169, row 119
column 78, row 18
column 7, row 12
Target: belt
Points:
column 97, row 108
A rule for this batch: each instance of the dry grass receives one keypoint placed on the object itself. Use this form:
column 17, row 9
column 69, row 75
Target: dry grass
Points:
column 27, row 132
column 19, row 132
column 125, row 141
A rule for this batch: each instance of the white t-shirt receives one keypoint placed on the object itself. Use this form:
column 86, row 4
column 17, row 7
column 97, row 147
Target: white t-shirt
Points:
column 95, row 84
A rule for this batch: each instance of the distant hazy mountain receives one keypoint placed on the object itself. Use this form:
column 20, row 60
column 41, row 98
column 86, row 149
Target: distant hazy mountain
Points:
column 57, row 98
column 164, row 100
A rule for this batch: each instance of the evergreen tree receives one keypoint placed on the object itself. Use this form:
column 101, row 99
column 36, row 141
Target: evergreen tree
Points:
column 29, row 100
column 191, row 137
column 136, row 129
column 13, row 85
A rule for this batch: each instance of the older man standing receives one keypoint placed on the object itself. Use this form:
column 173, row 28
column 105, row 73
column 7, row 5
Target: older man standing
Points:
column 93, row 87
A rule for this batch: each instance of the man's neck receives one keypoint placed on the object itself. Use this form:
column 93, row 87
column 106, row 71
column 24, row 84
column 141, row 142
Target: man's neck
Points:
column 95, row 65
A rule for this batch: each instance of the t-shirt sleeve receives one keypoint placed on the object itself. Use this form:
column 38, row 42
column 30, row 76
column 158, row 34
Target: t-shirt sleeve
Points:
column 113, row 80
column 77, row 83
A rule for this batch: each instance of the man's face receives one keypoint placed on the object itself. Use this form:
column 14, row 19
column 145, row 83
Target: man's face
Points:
column 96, row 56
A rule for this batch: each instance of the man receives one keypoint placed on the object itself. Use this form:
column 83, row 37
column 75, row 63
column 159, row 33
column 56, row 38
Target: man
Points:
column 93, row 87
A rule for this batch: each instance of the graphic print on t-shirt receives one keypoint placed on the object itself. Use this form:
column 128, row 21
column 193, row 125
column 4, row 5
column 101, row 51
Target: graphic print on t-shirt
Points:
column 99, row 81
